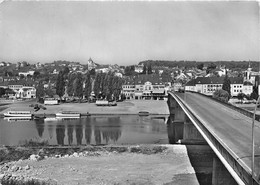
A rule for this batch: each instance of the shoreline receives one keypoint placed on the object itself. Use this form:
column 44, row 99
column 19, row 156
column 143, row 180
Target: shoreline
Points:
column 129, row 107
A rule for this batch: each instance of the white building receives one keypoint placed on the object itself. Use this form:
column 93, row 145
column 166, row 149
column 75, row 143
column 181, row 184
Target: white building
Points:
column 139, row 68
column 26, row 93
column 21, row 88
column 146, row 87
column 26, row 73
column 208, row 85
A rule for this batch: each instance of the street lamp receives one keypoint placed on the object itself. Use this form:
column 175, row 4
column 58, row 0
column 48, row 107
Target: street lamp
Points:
column 253, row 141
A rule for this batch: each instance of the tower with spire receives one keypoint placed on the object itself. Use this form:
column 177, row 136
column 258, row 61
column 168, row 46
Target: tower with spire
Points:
column 91, row 64
column 248, row 73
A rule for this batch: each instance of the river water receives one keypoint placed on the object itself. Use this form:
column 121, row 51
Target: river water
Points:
column 96, row 130
column 102, row 130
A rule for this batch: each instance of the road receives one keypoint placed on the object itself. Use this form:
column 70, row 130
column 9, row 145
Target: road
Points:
column 232, row 128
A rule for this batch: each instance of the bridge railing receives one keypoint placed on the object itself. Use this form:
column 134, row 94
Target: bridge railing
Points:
column 238, row 109
column 220, row 147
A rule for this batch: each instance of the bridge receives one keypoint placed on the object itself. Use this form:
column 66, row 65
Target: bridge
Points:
column 226, row 130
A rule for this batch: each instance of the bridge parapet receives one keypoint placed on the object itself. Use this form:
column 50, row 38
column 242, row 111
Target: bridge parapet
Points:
column 234, row 166
column 238, row 109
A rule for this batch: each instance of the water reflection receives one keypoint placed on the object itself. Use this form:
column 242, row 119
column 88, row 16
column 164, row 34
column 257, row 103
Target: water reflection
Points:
column 70, row 130
column 39, row 126
column 94, row 130
column 60, row 134
column 88, row 131
column 79, row 134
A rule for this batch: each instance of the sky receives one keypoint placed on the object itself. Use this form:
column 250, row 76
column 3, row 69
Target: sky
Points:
column 125, row 33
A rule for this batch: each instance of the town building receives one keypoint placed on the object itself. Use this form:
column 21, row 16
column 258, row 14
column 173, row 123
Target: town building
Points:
column 146, row 87
column 38, row 65
column 2, row 64
column 26, row 73
column 208, row 85
column 139, row 68
column 20, row 89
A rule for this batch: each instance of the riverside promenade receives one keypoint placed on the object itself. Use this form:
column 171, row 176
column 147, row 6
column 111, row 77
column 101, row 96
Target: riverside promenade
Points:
column 125, row 107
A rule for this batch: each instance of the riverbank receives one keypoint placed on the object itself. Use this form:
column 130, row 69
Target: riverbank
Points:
column 125, row 107
column 139, row 164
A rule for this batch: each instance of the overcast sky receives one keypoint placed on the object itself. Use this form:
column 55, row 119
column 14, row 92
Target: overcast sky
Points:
column 126, row 33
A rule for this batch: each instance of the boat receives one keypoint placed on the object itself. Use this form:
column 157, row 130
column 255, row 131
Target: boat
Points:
column 143, row 113
column 12, row 119
column 68, row 114
column 18, row 118
column 18, row 114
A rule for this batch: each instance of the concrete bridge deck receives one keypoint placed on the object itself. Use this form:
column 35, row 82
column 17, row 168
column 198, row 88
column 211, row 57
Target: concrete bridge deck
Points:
column 230, row 128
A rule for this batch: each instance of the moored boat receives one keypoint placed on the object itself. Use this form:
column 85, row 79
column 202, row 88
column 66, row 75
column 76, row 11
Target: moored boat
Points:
column 12, row 119
column 68, row 114
column 18, row 114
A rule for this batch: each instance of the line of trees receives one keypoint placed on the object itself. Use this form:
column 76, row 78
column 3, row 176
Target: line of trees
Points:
column 104, row 85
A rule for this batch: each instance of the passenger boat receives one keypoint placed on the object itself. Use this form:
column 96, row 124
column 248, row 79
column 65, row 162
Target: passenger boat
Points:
column 12, row 119
column 18, row 114
column 68, row 114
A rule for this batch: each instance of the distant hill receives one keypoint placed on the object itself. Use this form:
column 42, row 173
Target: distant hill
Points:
column 190, row 64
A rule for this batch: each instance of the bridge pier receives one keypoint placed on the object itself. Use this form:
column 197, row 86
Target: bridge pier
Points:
column 175, row 130
column 220, row 175
column 190, row 133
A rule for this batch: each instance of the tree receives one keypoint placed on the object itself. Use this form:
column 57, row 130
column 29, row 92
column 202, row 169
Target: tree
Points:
column 66, row 70
column 78, row 85
column 97, row 83
column 107, row 86
column 60, row 84
column 254, row 94
column 22, row 76
column 2, row 91
column 221, row 95
column 130, row 70
column 144, row 69
column 117, row 87
column 49, row 92
column 210, row 67
column 240, row 96
column 226, row 85
column 200, row 66
column 166, row 76
column 149, row 68
column 36, row 74
column 8, row 73
column 92, row 72
column 88, row 85
column 71, row 78
column 40, row 90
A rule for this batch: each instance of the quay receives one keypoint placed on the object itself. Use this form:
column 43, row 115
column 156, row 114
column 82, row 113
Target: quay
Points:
column 128, row 107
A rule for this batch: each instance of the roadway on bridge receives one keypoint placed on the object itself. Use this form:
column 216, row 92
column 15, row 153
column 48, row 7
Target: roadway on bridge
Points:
column 233, row 128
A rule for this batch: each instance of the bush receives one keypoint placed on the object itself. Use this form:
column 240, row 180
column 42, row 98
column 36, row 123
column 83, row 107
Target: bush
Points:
column 221, row 95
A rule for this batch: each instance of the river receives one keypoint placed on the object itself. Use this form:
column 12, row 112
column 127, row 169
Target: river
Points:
column 95, row 130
